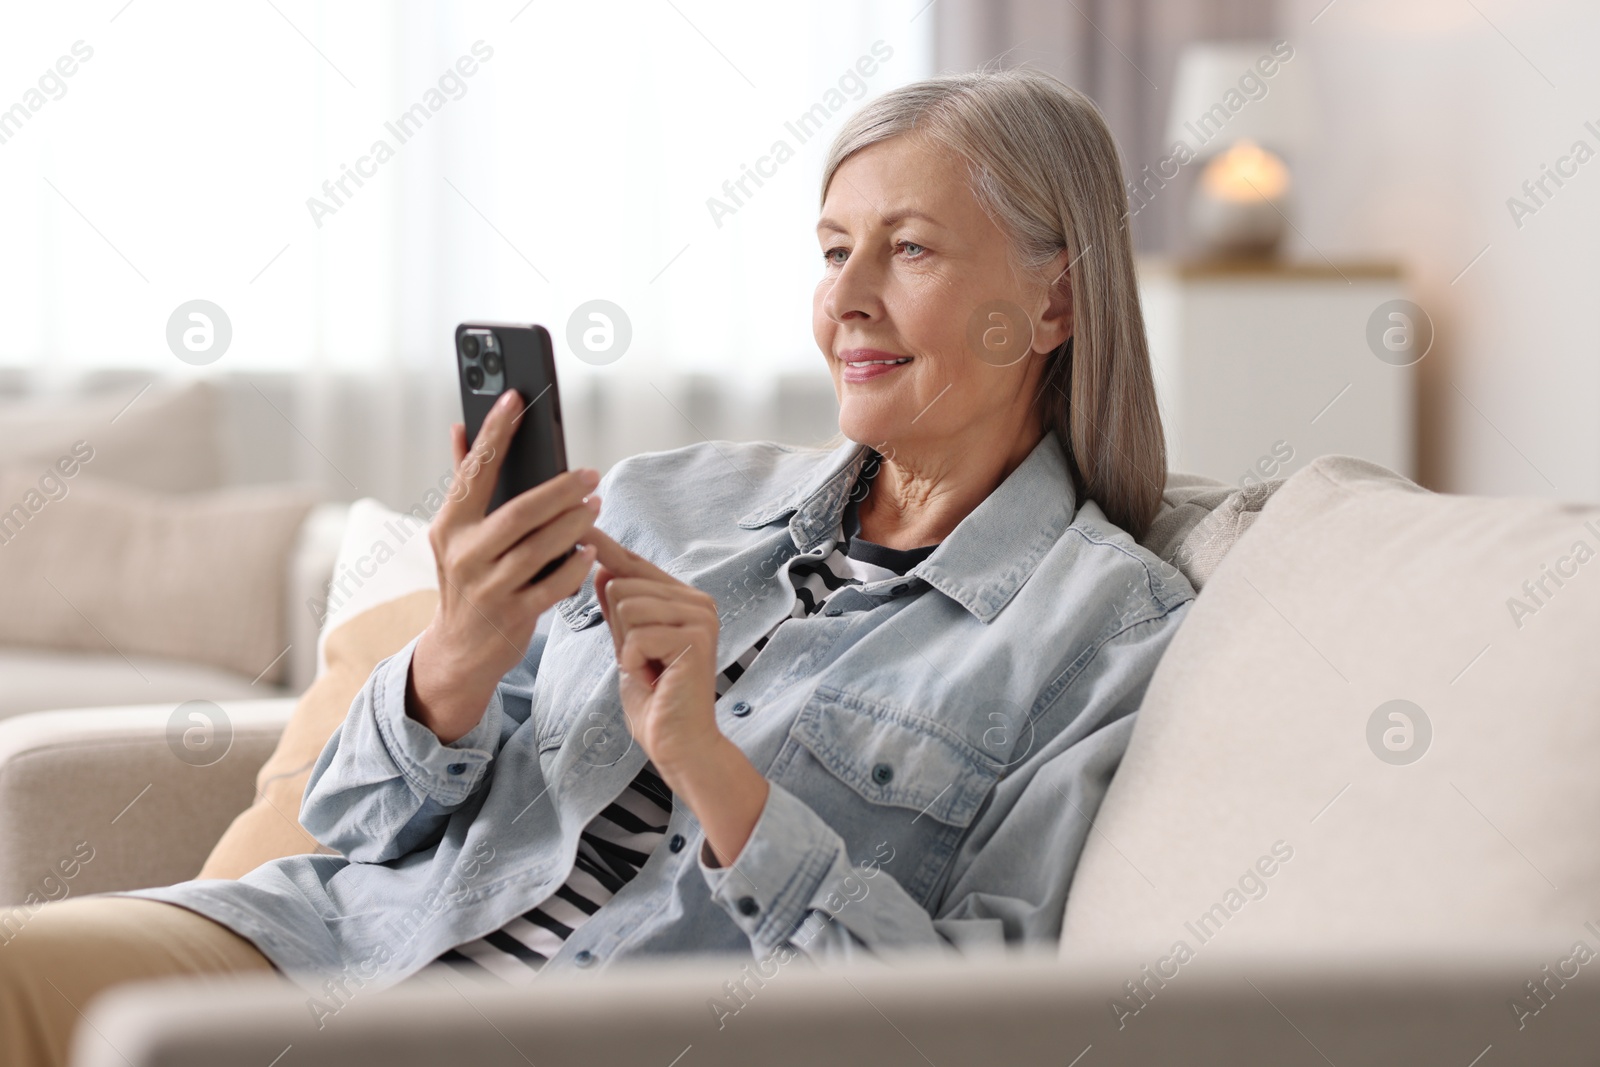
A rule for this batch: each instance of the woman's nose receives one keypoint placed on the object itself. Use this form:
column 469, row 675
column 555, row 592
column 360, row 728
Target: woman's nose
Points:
column 856, row 292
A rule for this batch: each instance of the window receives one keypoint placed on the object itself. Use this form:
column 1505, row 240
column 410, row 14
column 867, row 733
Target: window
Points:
column 348, row 181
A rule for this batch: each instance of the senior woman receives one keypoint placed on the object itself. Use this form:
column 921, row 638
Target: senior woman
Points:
column 809, row 702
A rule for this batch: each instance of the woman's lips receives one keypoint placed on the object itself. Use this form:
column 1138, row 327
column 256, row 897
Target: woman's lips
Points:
column 865, row 364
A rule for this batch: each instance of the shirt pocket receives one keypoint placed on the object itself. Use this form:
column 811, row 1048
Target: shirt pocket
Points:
column 888, row 781
column 581, row 610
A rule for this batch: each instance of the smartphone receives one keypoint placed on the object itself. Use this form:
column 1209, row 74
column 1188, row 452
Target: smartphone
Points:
column 491, row 358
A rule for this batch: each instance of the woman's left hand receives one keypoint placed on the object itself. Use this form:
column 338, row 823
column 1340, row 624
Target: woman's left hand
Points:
column 665, row 633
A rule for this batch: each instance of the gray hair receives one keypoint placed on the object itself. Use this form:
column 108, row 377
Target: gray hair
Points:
column 1044, row 166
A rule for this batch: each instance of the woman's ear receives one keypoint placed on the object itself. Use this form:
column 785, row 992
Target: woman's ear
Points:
column 1055, row 324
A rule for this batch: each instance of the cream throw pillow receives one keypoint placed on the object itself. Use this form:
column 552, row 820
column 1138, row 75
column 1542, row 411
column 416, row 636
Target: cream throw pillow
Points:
column 1272, row 796
column 101, row 567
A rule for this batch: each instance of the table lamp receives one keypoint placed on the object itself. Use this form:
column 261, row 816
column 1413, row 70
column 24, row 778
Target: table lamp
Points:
column 1235, row 107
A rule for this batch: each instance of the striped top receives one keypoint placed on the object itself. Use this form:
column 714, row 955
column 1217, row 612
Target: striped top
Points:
column 619, row 840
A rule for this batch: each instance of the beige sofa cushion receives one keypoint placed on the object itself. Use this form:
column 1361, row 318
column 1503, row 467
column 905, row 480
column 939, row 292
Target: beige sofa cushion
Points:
column 1267, row 787
column 100, row 567
column 163, row 437
column 384, row 593
column 41, row 679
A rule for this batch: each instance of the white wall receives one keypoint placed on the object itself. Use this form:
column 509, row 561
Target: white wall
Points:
column 1430, row 119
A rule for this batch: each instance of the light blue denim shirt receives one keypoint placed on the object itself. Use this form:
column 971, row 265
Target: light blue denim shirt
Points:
column 936, row 751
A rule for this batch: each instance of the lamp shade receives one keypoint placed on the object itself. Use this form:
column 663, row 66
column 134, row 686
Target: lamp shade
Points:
column 1235, row 91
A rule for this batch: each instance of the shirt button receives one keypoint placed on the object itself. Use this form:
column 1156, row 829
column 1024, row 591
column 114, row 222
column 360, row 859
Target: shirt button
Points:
column 833, row 612
column 457, row 768
column 583, row 958
column 898, row 590
column 882, row 773
column 748, row 906
column 677, row 843
column 742, row 709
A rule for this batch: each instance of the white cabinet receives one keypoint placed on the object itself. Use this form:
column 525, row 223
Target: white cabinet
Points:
column 1261, row 367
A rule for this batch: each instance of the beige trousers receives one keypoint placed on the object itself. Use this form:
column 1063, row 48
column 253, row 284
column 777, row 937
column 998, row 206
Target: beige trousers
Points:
column 54, row 961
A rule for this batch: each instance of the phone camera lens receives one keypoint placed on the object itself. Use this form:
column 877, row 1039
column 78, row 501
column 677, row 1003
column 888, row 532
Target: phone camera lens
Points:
column 469, row 347
column 491, row 362
column 475, row 377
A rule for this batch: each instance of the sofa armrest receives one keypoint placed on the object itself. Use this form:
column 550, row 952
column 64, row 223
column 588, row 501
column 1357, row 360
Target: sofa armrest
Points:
column 1426, row 1006
column 106, row 783
column 306, row 590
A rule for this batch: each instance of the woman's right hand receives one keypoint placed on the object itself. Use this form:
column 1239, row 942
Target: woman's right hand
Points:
column 487, row 608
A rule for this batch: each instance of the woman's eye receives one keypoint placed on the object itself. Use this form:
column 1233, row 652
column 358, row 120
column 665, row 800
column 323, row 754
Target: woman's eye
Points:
column 837, row 256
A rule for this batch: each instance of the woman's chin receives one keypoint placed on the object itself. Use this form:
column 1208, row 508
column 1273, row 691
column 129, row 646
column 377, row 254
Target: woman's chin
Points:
column 866, row 424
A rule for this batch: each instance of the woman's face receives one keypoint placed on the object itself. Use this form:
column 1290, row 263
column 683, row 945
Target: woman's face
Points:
column 935, row 340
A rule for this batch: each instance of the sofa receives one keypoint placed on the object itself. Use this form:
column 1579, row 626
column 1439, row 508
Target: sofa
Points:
column 140, row 563
column 1355, row 823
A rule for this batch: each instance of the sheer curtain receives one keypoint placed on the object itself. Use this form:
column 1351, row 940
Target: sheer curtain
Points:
column 186, row 157
column 347, row 181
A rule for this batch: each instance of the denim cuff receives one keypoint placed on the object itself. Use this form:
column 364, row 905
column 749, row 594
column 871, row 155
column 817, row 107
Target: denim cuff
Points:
column 445, row 773
column 768, row 890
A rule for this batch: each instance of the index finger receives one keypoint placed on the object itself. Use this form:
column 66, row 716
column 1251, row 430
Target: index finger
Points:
column 620, row 561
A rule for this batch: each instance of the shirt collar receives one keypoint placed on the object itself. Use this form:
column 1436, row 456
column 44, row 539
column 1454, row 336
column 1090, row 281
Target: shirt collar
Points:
column 817, row 503
column 986, row 558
